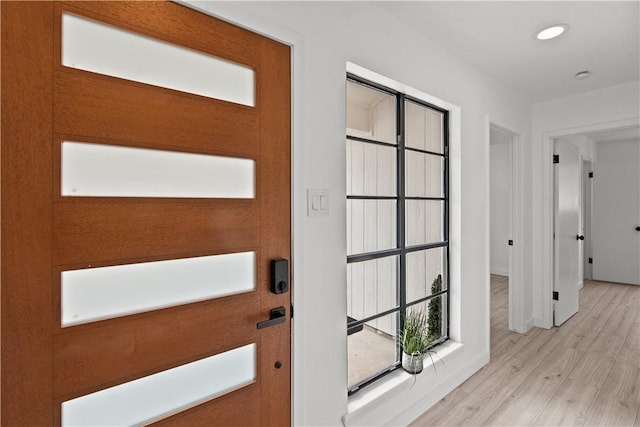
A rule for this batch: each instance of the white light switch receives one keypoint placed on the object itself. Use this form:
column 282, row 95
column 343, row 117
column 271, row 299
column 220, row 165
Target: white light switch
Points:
column 317, row 202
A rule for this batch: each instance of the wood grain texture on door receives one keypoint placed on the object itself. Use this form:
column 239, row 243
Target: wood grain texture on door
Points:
column 44, row 233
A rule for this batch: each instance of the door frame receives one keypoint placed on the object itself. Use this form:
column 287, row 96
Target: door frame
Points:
column 517, row 322
column 547, row 211
column 586, row 200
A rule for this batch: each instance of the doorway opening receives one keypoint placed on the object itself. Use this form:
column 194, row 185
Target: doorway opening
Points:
column 596, row 210
column 502, row 179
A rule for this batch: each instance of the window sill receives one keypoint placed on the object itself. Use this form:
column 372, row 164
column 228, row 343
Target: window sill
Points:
column 395, row 382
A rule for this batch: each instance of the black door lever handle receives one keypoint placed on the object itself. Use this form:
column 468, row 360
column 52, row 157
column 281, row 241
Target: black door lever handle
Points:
column 579, row 237
column 278, row 315
column 637, row 228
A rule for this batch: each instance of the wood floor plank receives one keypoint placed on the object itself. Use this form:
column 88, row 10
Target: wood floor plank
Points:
column 569, row 406
column 441, row 409
column 623, row 383
column 592, row 368
column 510, row 415
column 609, row 411
column 489, row 396
column 586, row 372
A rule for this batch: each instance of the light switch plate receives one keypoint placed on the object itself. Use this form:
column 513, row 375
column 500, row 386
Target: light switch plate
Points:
column 318, row 202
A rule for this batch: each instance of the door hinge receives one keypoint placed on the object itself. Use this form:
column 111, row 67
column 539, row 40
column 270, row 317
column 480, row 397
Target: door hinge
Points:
column 510, row 242
column 291, row 312
column 590, row 260
column 590, row 174
column 556, row 158
column 555, row 295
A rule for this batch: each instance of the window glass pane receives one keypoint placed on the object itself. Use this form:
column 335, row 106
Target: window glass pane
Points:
column 425, row 272
column 436, row 311
column 98, row 170
column 156, row 396
column 372, row 288
column 100, row 48
column 371, row 225
column 424, row 222
column 423, row 128
column 423, row 174
column 105, row 292
column 371, row 169
column 371, row 350
column 371, row 113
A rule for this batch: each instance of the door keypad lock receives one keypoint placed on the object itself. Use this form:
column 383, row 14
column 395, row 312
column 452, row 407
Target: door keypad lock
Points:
column 279, row 276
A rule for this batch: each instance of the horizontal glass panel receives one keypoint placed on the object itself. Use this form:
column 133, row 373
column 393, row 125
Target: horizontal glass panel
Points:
column 436, row 311
column 100, row 48
column 105, row 292
column 425, row 270
column 423, row 175
column 372, row 350
column 424, row 128
column 371, row 225
column 371, row 288
column 157, row 396
column 371, row 169
column 371, row 113
column 99, row 170
column 424, row 222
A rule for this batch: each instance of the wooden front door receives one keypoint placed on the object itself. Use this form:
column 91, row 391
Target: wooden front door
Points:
column 123, row 199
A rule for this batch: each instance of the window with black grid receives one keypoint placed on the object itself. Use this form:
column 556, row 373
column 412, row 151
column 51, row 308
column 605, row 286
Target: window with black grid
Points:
column 397, row 224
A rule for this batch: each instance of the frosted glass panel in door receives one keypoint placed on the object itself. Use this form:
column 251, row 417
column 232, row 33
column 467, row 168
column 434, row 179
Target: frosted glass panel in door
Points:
column 99, row 293
column 157, row 396
column 97, row 170
column 92, row 46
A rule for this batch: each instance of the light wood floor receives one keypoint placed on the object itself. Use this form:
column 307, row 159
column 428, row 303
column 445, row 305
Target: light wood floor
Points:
column 584, row 373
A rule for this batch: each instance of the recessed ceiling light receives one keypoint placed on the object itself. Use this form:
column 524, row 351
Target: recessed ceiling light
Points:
column 552, row 31
column 581, row 75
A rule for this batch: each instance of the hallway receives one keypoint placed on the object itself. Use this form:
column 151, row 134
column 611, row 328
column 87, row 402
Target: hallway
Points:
column 587, row 372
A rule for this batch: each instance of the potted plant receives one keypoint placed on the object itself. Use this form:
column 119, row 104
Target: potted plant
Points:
column 414, row 340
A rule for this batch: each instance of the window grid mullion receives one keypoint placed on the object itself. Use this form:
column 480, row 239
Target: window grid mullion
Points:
column 445, row 143
column 401, row 215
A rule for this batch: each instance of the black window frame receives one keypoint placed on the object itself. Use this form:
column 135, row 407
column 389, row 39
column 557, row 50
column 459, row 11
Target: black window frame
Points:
column 402, row 249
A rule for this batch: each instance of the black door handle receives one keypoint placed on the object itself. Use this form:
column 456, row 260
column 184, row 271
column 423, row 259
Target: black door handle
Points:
column 637, row 228
column 579, row 237
column 278, row 315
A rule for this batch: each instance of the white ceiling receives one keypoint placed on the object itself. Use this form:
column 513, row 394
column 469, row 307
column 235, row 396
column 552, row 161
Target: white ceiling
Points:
column 498, row 38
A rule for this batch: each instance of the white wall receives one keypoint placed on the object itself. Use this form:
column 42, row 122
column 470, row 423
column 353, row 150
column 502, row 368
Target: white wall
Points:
column 597, row 110
column 616, row 212
column 500, row 201
column 325, row 37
